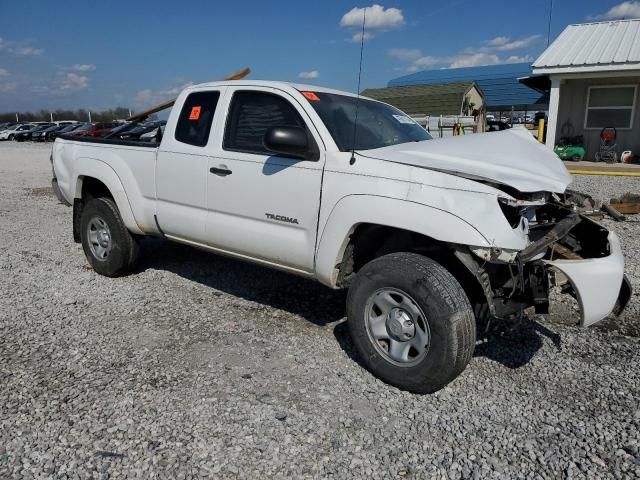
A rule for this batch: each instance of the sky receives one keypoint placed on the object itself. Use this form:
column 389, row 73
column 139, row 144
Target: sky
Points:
column 135, row 54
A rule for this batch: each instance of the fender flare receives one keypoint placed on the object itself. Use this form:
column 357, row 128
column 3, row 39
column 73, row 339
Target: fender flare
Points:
column 353, row 210
column 95, row 168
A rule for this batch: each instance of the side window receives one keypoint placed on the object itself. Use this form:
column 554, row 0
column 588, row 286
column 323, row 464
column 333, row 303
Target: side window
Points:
column 251, row 115
column 194, row 123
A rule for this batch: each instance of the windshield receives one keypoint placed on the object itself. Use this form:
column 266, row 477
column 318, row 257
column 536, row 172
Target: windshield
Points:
column 379, row 125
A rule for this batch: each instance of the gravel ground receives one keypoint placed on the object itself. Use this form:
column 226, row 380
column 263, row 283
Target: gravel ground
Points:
column 201, row 366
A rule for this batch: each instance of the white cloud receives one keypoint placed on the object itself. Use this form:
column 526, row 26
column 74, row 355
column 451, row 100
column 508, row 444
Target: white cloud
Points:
column 505, row 44
column 490, row 53
column 149, row 97
column 74, row 82
column 474, row 60
column 464, row 59
column 620, row 11
column 8, row 87
column 357, row 37
column 404, row 54
column 311, row 74
column 519, row 59
column 498, row 41
column 377, row 18
column 84, row 67
column 19, row 48
column 4, row 72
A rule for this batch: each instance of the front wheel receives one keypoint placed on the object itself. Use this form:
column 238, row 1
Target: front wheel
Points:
column 11, row 137
column 411, row 322
column 108, row 245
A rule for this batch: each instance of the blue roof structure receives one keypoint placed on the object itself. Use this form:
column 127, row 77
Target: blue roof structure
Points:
column 499, row 84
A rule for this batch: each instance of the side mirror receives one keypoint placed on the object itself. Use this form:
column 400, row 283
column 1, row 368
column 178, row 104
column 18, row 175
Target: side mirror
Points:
column 289, row 141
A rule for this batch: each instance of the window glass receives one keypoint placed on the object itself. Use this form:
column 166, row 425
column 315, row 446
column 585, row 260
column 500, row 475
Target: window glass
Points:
column 611, row 97
column 609, row 117
column 251, row 115
column 194, row 123
column 379, row 124
column 610, row 107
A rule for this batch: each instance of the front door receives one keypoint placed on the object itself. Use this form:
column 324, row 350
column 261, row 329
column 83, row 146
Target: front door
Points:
column 263, row 205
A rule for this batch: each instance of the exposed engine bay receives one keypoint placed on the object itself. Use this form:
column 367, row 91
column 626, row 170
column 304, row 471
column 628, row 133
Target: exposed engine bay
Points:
column 565, row 247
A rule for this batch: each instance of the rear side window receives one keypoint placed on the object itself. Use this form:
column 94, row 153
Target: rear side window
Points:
column 251, row 115
column 194, row 123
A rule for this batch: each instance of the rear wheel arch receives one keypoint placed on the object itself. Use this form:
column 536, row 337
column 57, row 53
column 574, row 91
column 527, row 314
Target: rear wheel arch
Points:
column 89, row 186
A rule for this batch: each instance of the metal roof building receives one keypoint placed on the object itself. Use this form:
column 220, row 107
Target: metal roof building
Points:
column 593, row 47
column 441, row 99
column 594, row 73
column 499, row 84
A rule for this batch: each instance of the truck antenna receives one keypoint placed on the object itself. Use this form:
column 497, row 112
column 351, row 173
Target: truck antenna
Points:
column 355, row 123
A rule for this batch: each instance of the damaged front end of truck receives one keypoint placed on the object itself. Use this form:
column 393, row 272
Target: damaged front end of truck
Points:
column 567, row 249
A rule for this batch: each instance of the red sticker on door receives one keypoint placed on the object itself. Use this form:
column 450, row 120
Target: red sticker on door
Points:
column 195, row 112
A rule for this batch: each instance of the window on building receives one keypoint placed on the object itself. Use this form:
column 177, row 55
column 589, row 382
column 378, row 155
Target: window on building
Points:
column 194, row 123
column 610, row 106
column 251, row 115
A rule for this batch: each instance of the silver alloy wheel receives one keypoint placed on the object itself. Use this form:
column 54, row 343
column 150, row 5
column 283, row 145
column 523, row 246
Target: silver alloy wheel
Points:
column 99, row 238
column 397, row 327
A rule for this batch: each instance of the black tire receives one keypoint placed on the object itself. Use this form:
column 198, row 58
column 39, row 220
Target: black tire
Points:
column 576, row 158
column 123, row 247
column 449, row 317
column 11, row 137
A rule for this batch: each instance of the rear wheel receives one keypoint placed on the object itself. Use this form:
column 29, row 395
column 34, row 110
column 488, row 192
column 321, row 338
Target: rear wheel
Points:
column 11, row 137
column 108, row 245
column 411, row 321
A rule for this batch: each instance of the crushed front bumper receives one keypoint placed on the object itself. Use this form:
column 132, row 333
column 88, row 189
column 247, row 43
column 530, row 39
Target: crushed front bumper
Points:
column 599, row 284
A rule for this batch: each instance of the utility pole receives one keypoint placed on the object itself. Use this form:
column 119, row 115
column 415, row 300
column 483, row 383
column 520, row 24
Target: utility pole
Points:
column 89, row 116
column 549, row 26
column 51, row 114
column 17, row 117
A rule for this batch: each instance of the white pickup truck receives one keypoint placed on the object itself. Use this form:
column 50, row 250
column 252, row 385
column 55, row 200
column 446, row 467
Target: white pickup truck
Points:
column 427, row 235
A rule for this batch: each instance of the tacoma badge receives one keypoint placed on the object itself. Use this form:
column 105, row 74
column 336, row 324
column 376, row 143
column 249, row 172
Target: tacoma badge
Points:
column 281, row 218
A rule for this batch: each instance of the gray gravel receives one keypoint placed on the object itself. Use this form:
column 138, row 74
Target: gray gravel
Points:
column 200, row 366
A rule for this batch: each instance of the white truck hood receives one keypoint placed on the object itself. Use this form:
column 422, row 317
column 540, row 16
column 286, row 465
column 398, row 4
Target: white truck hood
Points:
column 511, row 157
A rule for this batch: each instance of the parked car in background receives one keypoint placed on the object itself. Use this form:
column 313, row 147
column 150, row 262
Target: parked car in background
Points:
column 100, row 129
column 97, row 129
column 7, row 125
column 120, row 129
column 25, row 135
column 497, row 125
column 154, row 135
column 45, row 135
column 10, row 133
column 81, row 131
column 68, row 129
column 141, row 129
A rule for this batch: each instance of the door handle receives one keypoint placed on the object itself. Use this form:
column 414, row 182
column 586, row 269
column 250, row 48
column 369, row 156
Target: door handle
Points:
column 222, row 172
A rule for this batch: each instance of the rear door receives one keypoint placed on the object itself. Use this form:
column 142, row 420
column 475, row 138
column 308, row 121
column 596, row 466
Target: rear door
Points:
column 182, row 168
column 263, row 205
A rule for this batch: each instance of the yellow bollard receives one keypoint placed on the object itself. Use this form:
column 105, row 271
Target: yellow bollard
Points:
column 541, row 130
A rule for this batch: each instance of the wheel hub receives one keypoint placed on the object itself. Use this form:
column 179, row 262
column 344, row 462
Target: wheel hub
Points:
column 400, row 325
column 104, row 238
column 99, row 238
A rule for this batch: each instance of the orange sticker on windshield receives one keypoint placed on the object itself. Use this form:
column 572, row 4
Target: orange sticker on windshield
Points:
column 311, row 96
column 195, row 112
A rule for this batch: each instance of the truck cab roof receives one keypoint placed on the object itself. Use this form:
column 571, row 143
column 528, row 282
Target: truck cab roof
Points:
column 286, row 86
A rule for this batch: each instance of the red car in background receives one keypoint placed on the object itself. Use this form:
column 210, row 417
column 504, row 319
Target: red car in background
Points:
column 97, row 129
